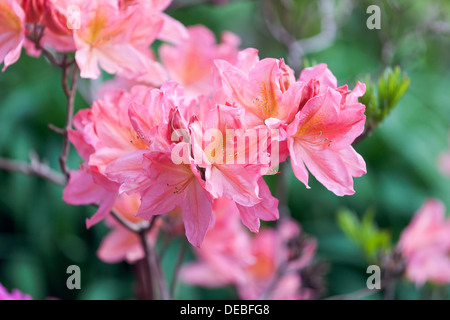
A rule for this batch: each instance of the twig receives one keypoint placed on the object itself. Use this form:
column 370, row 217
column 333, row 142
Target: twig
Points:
column 299, row 47
column 152, row 262
column 133, row 227
column 36, row 168
column 69, row 92
column 150, row 270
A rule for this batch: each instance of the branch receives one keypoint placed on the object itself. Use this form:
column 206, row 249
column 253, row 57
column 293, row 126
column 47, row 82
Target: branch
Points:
column 69, row 92
column 299, row 47
column 35, row 168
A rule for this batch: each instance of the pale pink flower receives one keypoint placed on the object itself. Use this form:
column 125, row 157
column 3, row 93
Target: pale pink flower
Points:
column 117, row 39
column 190, row 62
column 14, row 295
column 122, row 244
column 12, row 31
column 425, row 245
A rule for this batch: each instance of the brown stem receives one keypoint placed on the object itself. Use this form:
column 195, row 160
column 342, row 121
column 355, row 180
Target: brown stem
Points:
column 36, row 168
column 69, row 92
column 149, row 271
column 155, row 265
column 155, row 277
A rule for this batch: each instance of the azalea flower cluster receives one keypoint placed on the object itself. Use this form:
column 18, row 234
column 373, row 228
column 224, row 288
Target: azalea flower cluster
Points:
column 149, row 139
column 158, row 143
column 161, row 130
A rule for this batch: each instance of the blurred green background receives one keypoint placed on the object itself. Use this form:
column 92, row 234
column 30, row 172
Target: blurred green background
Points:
column 40, row 236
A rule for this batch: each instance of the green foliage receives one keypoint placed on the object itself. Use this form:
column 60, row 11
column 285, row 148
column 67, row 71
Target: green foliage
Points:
column 364, row 233
column 381, row 98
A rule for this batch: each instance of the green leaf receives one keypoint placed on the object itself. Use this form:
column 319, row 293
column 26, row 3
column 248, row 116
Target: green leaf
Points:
column 364, row 233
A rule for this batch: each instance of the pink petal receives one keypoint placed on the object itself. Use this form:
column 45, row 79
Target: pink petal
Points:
column 197, row 213
column 234, row 182
column 172, row 30
column 319, row 72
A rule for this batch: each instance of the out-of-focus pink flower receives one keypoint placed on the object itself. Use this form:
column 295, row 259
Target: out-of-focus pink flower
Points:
column 116, row 39
column 265, row 266
column 425, row 245
column 172, row 30
column 444, row 161
column 225, row 252
column 190, row 62
column 122, row 244
column 14, row 295
column 275, row 272
column 12, row 31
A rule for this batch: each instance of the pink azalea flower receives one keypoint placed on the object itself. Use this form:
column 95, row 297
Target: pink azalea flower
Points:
column 238, row 182
column 261, row 91
column 87, row 186
column 425, row 245
column 320, row 137
column 12, row 31
column 104, row 134
column 14, row 295
column 162, row 183
column 190, row 61
column 177, row 185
